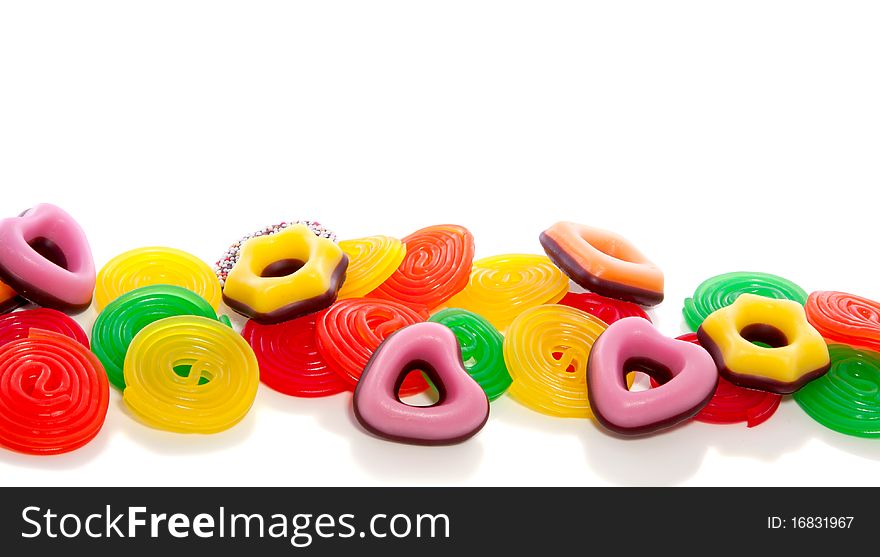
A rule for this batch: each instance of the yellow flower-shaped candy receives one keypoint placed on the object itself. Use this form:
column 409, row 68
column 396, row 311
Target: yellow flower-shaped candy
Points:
column 285, row 275
column 764, row 343
column 371, row 261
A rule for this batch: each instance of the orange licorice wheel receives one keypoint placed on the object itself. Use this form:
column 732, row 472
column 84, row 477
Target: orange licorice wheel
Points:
column 289, row 358
column 845, row 318
column 437, row 266
column 350, row 331
column 54, row 394
column 9, row 299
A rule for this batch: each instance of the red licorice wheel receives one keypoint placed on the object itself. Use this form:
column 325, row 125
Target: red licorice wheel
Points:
column 289, row 358
column 14, row 326
column 845, row 318
column 733, row 404
column 350, row 330
column 53, row 394
column 608, row 310
column 436, row 267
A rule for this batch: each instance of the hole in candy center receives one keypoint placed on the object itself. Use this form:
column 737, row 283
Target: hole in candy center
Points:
column 557, row 355
column 184, row 370
column 282, row 268
column 765, row 336
column 50, row 251
column 658, row 373
column 428, row 398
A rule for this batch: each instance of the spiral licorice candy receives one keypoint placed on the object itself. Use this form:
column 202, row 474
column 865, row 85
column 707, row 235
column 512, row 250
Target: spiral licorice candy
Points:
column 721, row 291
column 350, row 331
column 190, row 374
column 124, row 317
column 53, row 394
column 156, row 265
column 845, row 318
column 14, row 326
column 546, row 350
column 847, row 398
column 371, row 261
column 482, row 349
column 503, row 286
column 608, row 310
column 436, row 266
column 289, row 358
column 733, row 404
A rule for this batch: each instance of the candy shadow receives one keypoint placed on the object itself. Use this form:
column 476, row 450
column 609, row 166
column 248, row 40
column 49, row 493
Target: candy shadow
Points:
column 169, row 443
column 383, row 460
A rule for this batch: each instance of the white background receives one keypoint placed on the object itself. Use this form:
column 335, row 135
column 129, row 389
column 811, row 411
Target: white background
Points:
column 717, row 136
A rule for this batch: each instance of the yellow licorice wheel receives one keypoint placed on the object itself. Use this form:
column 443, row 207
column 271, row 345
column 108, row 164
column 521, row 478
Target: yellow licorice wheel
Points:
column 156, row 265
column 371, row 261
column 190, row 374
column 546, row 351
column 503, row 286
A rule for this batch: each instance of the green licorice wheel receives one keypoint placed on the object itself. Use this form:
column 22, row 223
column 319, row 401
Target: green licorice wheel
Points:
column 721, row 291
column 124, row 317
column 847, row 398
column 481, row 349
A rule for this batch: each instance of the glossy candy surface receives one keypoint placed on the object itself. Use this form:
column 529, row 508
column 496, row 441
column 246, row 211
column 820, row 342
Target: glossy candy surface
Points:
column 607, row 309
column 482, row 349
column 721, row 291
column 9, row 299
column 732, row 404
column 16, row 325
column 350, row 331
column 546, row 350
column 190, row 374
column 371, row 261
column 847, row 398
column 53, row 394
column 845, row 318
column 156, row 265
column 289, row 358
column 125, row 316
column 503, row 286
column 436, row 266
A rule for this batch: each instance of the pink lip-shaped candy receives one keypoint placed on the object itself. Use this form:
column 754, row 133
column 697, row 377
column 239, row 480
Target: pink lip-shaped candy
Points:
column 686, row 373
column 45, row 257
column 432, row 348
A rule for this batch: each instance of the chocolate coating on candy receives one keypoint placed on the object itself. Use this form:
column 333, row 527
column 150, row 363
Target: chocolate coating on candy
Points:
column 295, row 309
column 462, row 409
column 9, row 300
column 686, row 375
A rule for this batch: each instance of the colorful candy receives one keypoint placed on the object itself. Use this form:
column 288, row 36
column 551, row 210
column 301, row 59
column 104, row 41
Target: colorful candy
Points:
column 845, row 399
column 53, row 394
column 503, row 286
column 371, row 261
column 285, row 275
column 686, row 373
column 436, row 266
column 289, row 358
column 604, row 262
column 350, row 331
column 45, row 257
column 546, row 349
column 9, row 298
column 156, row 265
column 18, row 325
column 231, row 256
column 608, row 310
column 124, row 317
column 731, row 404
column 722, row 290
column 462, row 409
column 482, row 349
column 845, row 318
column 190, row 374
column 790, row 354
